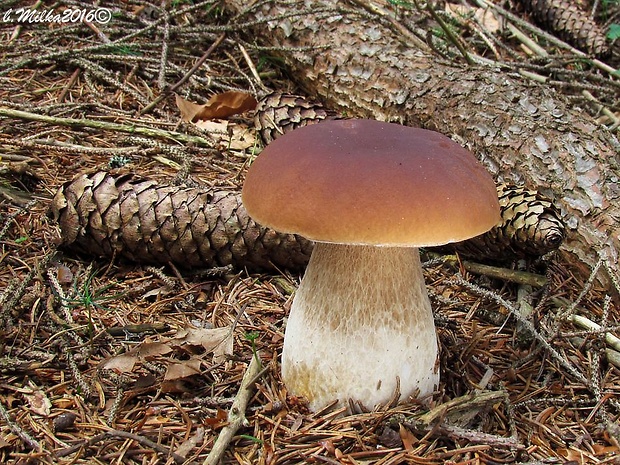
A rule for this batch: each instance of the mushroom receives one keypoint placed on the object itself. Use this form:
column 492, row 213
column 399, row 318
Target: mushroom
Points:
column 369, row 194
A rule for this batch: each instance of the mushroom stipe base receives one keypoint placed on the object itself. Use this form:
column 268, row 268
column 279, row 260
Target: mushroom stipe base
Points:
column 360, row 320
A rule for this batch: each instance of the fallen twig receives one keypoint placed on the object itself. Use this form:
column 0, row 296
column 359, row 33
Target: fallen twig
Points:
column 186, row 76
column 505, row 274
column 236, row 414
column 437, row 420
column 528, row 326
column 125, row 435
column 18, row 431
column 587, row 324
column 612, row 356
column 479, row 437
column 105, row 125
column 138, row 329
column 473, row 401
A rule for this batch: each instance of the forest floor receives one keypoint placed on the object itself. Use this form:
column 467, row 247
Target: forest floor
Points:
column 107, row 361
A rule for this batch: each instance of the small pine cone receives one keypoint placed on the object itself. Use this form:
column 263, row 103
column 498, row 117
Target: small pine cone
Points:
column 571, row 24
column 279, row 113
column 150, row 223
column 531, row 227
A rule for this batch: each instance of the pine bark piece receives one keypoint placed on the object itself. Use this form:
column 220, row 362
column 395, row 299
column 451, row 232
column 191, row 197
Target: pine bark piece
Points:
column 524, row 134
column 570, row 24
column 150, row 223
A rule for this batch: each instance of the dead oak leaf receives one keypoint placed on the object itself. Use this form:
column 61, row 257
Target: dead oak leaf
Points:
column 217, row 107
column 125, row 363
column 228, row 135
column 218, row 341
column 184, row 369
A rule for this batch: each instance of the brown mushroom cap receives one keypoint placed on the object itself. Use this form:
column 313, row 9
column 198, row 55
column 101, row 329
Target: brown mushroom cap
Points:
column 370, row 182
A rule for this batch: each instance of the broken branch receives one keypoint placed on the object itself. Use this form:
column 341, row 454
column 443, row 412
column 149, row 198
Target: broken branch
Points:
column 236, row 414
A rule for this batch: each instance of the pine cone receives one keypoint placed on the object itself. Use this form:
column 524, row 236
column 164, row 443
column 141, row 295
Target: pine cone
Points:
column 279, row 113
column 571, row 24
column 151, row 223
column 531, row 227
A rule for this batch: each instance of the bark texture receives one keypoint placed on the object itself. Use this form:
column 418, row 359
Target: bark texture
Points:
column 525, row 134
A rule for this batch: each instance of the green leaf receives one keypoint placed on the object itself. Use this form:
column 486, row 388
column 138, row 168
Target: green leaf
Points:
column 614, row 31
column 251, row 438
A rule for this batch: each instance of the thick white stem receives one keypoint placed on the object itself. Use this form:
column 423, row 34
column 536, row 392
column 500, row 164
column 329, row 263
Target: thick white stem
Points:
column 360, row 320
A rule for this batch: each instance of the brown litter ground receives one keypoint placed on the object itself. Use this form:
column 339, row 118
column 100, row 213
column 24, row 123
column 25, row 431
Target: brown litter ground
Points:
column 105, row 361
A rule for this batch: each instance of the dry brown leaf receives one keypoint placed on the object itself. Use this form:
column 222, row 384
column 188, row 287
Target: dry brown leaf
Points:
column 604, row 450
column 151, row 350
column 188, row 109
column 575, row 455
column 220, row 419
column 185, row 369
column 228, row 104
column 217, row 128
column 125, row 363
column 219, row 106
column 407, row 437
column 228, row 135
column 144, row 381
column 216, row 340
column 39, row 402
column 242, row 139
column 487, row 18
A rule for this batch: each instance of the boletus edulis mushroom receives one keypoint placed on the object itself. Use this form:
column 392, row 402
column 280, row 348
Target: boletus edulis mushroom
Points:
column 369, row 194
